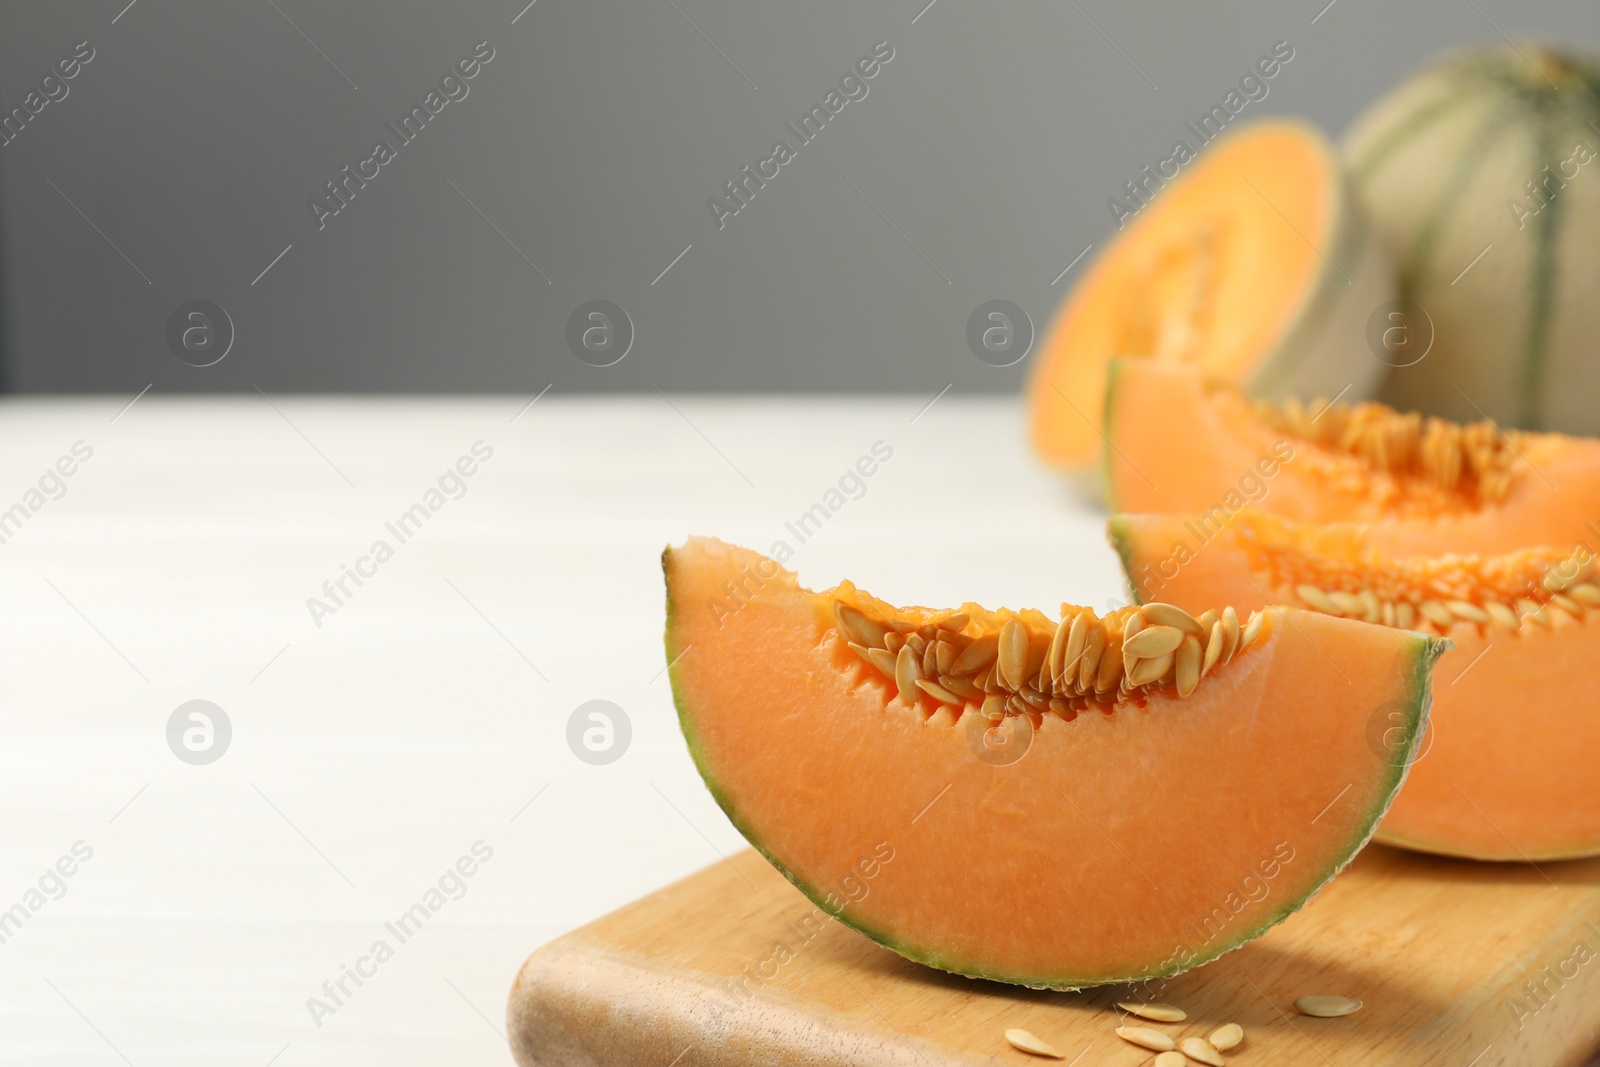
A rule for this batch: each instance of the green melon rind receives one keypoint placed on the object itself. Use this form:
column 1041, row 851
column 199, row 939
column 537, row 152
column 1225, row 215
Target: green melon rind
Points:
column 1421, row 698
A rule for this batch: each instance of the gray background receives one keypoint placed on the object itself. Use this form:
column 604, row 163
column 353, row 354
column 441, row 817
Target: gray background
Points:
column 592, row 141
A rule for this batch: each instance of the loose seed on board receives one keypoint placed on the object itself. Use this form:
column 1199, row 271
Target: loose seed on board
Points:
column 1169, row 615
column 1226, row 1036
column 1161, row 1013
column 1326, row 1007
column 1027, row 1042
column 1201, row 1052
column 1152, row 641
column 1145, row 1037
column 1170, row 1059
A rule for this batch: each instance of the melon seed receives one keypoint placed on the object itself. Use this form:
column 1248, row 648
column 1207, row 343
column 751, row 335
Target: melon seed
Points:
column 1213, row 648
column 1226, row 1036
column 1161, row 1013
column 938, row 692
column 976, row 656
column 1586, row 593
column 1318, row 599
column 1201, row 1052
column 905, row 674
column 1186, row 665
column 1502, row 616
column 1013, row 652
column 1027, row 1042
column 1145, row 1037
column 1252, row 629
column 1326, row 1007
column 1146, row 671
column 1152, row 641
column 859, row 628
column 1170, row 615
column 882, row 660
column 1468, row 611
column 1170, row 1059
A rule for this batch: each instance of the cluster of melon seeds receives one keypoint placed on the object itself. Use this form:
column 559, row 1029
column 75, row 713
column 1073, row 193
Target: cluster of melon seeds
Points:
column 1015, row 663
column 1437, row 593
column 1173, row 1052
column 1473, row 459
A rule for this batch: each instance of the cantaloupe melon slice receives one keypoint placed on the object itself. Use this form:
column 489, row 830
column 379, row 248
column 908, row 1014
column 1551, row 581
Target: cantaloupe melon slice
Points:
column 1509, row 771
column 1254, row 264
column 1141, row 831
column 1180, row 443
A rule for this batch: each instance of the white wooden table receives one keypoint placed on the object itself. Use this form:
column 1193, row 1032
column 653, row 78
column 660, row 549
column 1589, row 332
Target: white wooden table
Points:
column 424, row 714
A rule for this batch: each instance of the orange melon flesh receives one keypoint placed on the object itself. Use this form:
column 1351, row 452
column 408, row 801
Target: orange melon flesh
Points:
column 1125, row 843
column 1509, row 769
column 1181, row 443
column 1220, row 271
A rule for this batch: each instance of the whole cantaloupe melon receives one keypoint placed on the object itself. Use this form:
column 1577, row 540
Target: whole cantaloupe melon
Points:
column 1482, row 173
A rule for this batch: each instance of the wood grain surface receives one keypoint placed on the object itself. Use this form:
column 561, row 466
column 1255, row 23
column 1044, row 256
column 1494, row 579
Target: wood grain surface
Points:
column 1458, row 963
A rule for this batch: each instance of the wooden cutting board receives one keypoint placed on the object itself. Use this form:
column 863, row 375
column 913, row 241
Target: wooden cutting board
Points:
column 1459, row 963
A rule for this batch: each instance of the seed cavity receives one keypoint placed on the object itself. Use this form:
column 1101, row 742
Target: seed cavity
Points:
column 1226, row 1036
column 1473, row 459
column 1024, row 664
column 1326, row 1007
column 1027, row 1042
column 1154, row 1010
column 1145, row 1037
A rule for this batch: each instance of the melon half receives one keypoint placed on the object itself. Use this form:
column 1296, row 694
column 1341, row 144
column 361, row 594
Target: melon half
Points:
column 1182, row 443
column 1056, row 804
column 1509, row 771
column 1253, row 264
